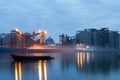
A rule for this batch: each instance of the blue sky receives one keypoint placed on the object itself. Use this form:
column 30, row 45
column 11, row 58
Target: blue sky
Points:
column 59, row 16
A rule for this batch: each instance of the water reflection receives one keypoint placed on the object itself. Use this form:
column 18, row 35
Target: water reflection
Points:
column 83, row 57
column 18, row 71
column 41, row 70
column 65, row 66
column 90, row 62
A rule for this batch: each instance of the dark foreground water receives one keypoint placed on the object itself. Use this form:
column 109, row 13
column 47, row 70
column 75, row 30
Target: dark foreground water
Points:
column 65, row 66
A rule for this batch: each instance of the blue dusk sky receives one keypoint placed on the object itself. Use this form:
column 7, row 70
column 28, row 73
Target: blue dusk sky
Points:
column 58, row 16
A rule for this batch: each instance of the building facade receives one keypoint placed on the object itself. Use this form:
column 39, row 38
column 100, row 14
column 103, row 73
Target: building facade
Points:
column 93, row 37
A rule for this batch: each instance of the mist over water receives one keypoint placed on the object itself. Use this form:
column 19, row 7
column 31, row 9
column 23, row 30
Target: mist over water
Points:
column 65, row 66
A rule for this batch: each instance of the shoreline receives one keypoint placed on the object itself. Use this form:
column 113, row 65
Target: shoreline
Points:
column 54, row 50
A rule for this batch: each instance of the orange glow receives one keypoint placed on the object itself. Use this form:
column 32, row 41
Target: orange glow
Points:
column 39, row 31
column 42, row 47
column 42, row 70
column 45, row 71
column 42, row 32
column 18, row 71
column 36, row 47
column 80, row 59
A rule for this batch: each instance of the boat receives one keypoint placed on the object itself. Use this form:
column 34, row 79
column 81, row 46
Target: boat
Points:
column 30, row 58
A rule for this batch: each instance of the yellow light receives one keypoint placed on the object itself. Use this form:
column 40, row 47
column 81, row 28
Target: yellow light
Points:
column 45, row 71
column 80, row 59
column 16, row 30
column 18, row 71
column 39, row 31
column 40, row 69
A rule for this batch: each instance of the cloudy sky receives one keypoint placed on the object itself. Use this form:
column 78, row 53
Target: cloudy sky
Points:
column 59, row 16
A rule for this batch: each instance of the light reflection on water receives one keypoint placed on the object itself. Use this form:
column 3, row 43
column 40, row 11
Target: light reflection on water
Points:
column 65, row 66
column 42, row 70
column 18, row 71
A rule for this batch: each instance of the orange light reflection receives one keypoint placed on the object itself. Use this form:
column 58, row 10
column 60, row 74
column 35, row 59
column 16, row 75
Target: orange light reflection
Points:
column 42, row 70
column 18, row 71
column 80, row 59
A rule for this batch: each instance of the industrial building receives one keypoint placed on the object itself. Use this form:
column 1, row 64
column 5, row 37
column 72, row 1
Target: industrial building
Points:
column 16, row 39
column 93, row 37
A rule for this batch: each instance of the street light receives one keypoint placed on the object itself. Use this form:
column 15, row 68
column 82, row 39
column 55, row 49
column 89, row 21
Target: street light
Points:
column 42, row 36
column 18, row 37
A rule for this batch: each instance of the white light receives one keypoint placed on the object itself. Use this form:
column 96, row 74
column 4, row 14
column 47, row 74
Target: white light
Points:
column 39, row 31
column 45, row 32
column 16, row 30
column 87, row 47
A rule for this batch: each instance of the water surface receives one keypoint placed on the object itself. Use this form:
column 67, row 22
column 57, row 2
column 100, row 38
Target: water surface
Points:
column 65, row 66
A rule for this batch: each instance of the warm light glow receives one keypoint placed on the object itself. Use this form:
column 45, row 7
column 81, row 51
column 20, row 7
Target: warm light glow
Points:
column 39, row 31
column 16, row 30
column 42, row 32
column 80, row 59
column 42, row 70
column 45, row 71
column 18, row 71
column 36, row 47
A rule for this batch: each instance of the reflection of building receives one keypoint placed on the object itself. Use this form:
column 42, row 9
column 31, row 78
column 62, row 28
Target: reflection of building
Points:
column 83, row 58
column 90, row 62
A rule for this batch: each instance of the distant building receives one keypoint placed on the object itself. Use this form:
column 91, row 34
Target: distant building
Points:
column 3, row 42
column 84, row 37
column 114, row 39
column 66, row 40
column 27, row 39
column 16, row 39
column 49, row 41
column 93, row 37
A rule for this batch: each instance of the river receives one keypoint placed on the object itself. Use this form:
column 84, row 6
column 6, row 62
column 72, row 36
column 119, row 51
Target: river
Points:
column 65, row 66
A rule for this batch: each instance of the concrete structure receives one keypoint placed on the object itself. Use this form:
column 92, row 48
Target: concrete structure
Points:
column 16, row 39
column 93, row 37
column 67, row 40
column 84, row 37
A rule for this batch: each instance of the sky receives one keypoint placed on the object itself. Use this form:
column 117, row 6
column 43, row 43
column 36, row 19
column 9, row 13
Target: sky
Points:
column 58, row 16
